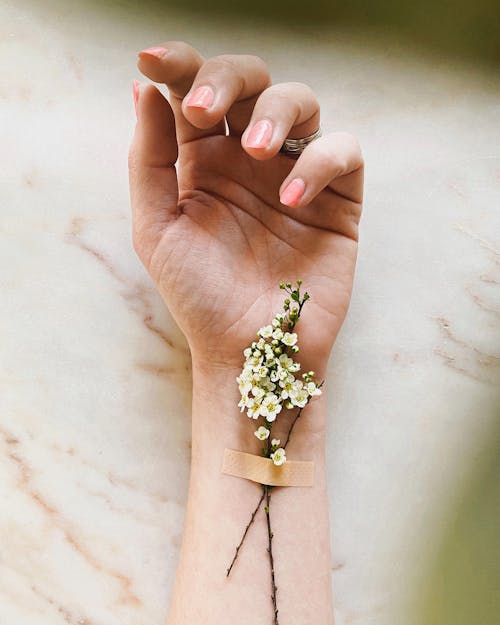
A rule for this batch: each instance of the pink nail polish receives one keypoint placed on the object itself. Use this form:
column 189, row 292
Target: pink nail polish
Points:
column 260, row 135
column 293, row 192
column 157, row 51
column 201, row 98
column 135, row 91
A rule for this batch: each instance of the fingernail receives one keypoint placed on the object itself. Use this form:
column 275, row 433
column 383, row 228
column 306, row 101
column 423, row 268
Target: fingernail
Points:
column 157, row 51
column 260, row 135
column 293, row 192
column 135, row 91
column 201, row 98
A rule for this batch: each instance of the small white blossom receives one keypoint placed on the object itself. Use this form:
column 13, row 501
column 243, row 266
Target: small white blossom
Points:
column 255, row 361
column 258, row 392
column 254, row 410
column 262, row 433
column 300, row 398
column 287, row 386
column 289, row 339
column 275, row 442
column 270, row 407
column 285, row 361
column 312, row 389
column 275, row 323
column 247, row 352
column 245, row 402
column 278, row 334
column 244, row 386
column 278, row 456
column 262, row 371
column 266, row 331
column 268, row 385
column 282, row 374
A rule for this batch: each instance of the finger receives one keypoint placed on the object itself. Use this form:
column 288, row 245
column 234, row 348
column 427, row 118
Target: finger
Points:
column 176, row 64
column 226, row 84
column 333, row 162
column 152, row 175
column 283, row 110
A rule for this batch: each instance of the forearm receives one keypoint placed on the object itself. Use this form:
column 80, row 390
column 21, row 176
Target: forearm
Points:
column 219, row 508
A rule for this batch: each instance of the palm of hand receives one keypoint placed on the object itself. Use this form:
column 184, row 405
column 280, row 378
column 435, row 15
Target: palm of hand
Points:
column 219, row 263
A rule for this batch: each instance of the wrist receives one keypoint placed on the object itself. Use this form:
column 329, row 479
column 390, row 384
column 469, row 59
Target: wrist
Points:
column 217, row 422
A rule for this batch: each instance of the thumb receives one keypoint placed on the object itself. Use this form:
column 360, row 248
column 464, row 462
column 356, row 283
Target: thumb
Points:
column 151, row 163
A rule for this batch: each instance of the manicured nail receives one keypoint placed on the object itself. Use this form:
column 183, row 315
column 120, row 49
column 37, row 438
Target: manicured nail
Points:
column 201, row 98
column 157, row 51
column 135, row 91
column 293, row 192
column 260, row 135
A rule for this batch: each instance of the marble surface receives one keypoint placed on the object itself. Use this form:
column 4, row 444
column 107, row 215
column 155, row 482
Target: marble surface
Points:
column 95, row 377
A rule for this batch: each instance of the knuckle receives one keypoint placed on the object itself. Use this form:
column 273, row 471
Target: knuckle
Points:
column 183, row 48
column 280, row 99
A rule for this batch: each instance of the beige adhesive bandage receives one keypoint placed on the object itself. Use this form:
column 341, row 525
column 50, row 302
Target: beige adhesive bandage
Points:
column 264, row 471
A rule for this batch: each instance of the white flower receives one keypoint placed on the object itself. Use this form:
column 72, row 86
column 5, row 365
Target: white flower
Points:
column 258, row 392
column 262, row 371
column 254, row 361
column 275, row 442
column 270, row 407
column 262, row 433
column 268, row 385
column 246, row 374
column 278, row 334
column 287, row 386
column 266, row 332
column 254, row 410
column 312, row 389
column 285, row 361
column 245, row 402
column 289, row 339
column 299, row 398
column 278, row 456
column 247, row 352
column 276, row 323
column 261, row 344
column 282, row 374
column 244, row 385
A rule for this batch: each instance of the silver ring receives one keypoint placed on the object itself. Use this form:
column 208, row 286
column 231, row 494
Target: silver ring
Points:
column 295, row 147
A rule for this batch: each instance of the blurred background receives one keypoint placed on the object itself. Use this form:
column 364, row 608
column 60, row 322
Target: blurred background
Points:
column 461, row 28
column 94, row 374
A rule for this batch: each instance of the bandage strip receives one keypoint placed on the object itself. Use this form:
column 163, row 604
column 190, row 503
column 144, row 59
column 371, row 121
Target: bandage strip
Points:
column 264, row 471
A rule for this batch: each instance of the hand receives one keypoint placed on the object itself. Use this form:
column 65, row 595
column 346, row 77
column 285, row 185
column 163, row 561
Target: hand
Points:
column 215, row 237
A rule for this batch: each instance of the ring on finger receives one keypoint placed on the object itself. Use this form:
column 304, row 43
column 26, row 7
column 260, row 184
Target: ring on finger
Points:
column 295, row 147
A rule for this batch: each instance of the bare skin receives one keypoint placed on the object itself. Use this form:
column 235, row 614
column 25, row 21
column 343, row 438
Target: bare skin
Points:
column 217, row 241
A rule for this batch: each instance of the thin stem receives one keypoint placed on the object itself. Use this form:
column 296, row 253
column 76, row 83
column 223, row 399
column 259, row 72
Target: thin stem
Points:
column 270, row 551
column 296, row 417
column 291, row 426
column 245, row 532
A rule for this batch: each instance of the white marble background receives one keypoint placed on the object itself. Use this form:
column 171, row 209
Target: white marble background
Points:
column 95, row 378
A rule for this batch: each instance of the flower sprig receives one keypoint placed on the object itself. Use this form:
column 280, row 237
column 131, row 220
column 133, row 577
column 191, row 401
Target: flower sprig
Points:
column 270, row 384
column 267, row 382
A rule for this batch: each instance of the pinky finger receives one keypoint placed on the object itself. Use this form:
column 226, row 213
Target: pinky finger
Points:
column 333, row 161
